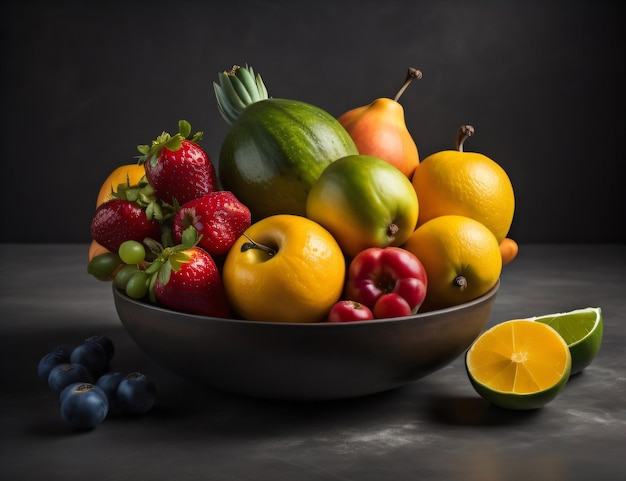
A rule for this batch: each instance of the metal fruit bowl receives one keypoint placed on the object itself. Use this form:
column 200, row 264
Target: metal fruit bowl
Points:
column 295, row 361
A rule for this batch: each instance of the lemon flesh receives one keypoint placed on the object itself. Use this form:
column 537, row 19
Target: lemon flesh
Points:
column 519, row 364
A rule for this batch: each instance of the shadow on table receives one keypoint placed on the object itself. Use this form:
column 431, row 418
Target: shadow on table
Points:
column 474, row 411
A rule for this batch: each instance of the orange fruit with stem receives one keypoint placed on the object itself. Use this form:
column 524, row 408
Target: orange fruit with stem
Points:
column 465, row 183
column 461, row 257
column 284, row 268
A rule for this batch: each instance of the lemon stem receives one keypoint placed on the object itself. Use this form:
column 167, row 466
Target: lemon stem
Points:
column 413, row 73
column 461, row 282
column 464, row 133
column 253, row 245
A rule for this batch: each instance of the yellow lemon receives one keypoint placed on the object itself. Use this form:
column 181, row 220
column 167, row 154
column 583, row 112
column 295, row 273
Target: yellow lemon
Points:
column 461, row 256
column 465, row 183
column 285, row 268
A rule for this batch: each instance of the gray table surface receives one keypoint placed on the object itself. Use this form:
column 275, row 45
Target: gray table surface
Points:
column 434, row 428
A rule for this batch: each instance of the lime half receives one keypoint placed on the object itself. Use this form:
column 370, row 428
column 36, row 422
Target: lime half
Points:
column 582, row 330
column 519, row 364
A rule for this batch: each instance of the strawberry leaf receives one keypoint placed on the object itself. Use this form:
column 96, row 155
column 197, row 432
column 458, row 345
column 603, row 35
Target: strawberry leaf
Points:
column 153, row 210
column 144, row 149
column 189, row 237
column 155, row 266
column 184, row 128
column 165, row 272
column 166, row 236
column 128, row 193
column 174, row 143
column 151, row 294
column 177, row 259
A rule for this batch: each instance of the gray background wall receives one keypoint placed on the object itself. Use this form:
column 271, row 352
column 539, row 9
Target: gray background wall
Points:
column 542, row 82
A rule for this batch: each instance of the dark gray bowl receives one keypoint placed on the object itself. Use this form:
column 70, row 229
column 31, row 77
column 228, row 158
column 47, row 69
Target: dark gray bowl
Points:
column 294, row 361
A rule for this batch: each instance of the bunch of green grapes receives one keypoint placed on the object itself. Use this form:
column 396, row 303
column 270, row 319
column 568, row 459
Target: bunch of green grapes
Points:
column 126, row 268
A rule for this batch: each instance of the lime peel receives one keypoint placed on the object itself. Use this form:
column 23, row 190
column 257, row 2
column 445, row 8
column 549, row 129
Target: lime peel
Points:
column 582, row 330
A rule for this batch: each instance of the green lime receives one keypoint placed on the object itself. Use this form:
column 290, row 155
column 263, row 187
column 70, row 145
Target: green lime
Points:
column 519, row 364
column 582, row 330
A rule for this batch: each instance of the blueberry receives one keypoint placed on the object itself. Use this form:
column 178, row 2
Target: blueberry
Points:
column 67, row 389
column 84, row 405
column 105, row 343
column 92, row 356
column 136, row 394
column 109, row 383
column 64, row 374
column 57, row 356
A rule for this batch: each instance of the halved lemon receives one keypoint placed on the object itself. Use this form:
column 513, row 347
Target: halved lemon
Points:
column 582, row 330
column 519, row 364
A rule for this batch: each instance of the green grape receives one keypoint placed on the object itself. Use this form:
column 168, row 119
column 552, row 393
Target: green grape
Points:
column 124, row 274
column 137, row 285
column 104, row 265
column 132, row 252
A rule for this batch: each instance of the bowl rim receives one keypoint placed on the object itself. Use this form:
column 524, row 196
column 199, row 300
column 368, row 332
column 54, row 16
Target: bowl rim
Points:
column 119, row 294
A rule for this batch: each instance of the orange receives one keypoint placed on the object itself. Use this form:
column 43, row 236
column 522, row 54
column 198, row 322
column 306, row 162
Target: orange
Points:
column 519, row 364
column 285, row 268
column 129, row 174
column 95, row 249
column 509, row 249
column 465, row 183
column 461, row 257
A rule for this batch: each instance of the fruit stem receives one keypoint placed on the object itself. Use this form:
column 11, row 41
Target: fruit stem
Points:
column 392, row 230
column 413, row 73
column 253, row 245
column 460, row 281
column 464, row 133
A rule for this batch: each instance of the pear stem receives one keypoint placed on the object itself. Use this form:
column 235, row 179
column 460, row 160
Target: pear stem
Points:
column 464, row 133
column 413, row 73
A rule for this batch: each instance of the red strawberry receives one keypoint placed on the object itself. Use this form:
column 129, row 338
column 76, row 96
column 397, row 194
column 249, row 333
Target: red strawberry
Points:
column 177, row 168
column 119, row 220
column 219, row 217
column 189, row 281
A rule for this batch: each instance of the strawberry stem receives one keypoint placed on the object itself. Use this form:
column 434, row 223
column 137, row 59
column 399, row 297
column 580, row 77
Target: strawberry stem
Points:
column 174, row 142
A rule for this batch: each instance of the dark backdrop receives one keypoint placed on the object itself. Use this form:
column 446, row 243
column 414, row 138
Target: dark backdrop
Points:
column 542, row 82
